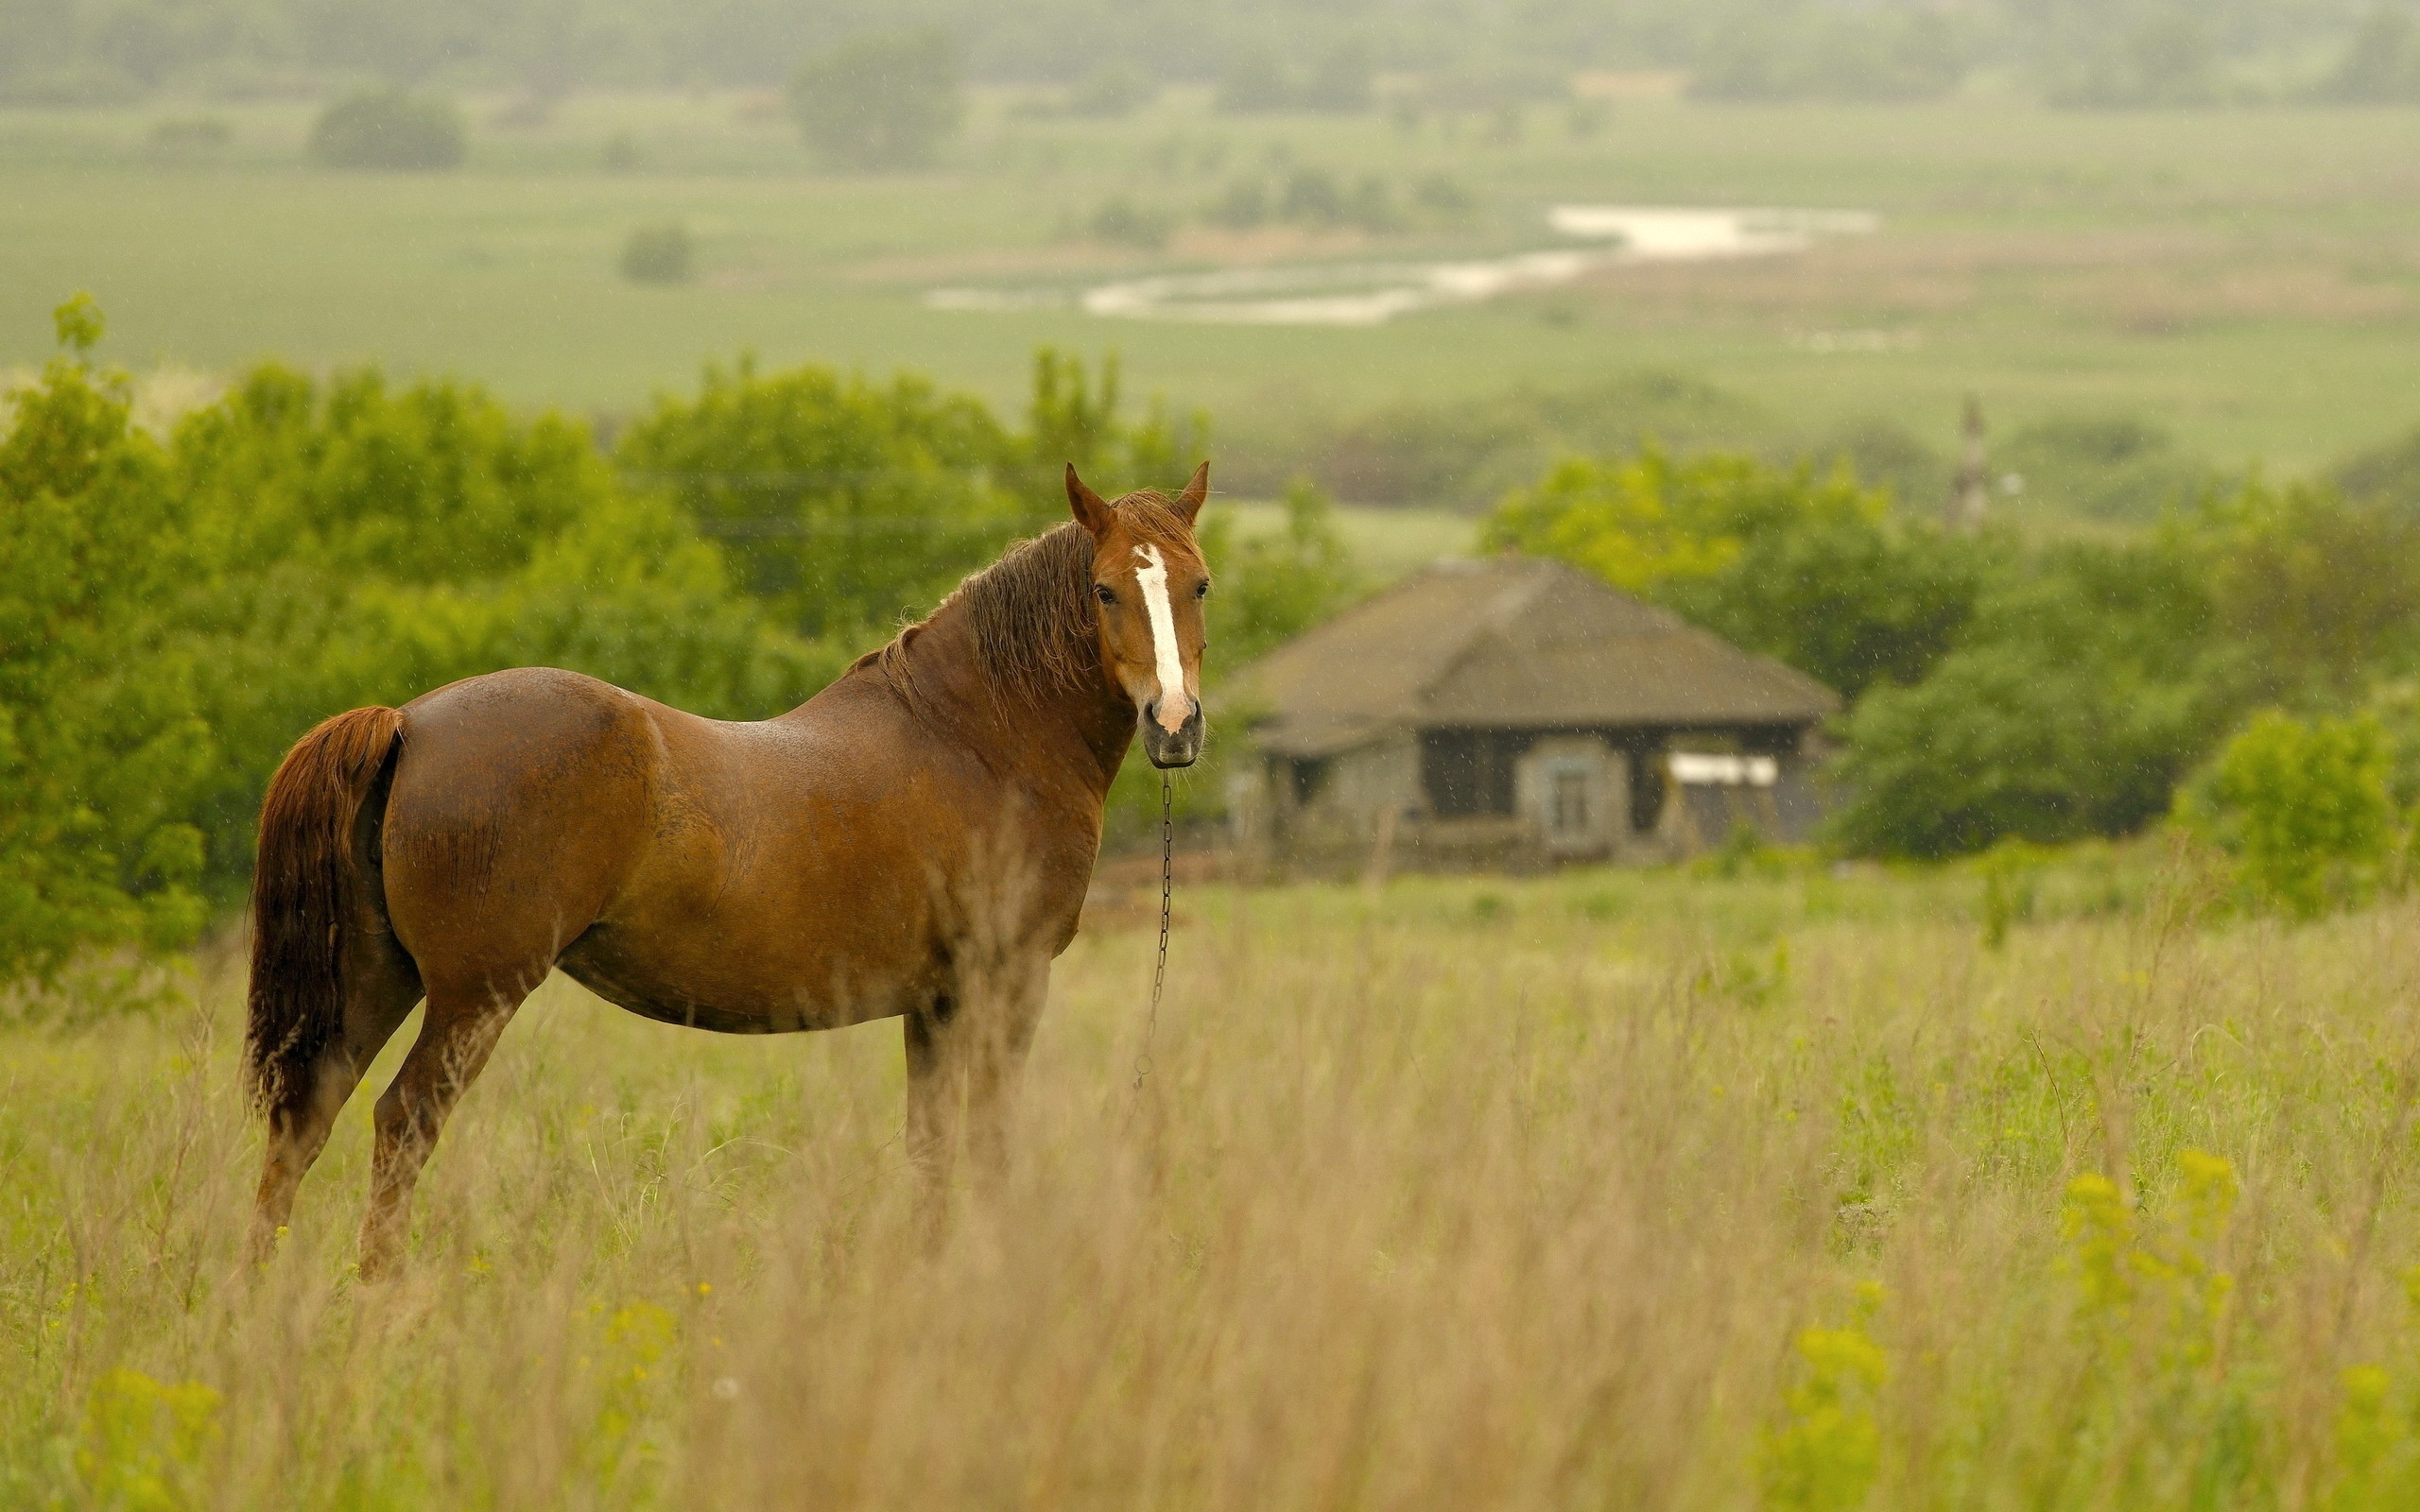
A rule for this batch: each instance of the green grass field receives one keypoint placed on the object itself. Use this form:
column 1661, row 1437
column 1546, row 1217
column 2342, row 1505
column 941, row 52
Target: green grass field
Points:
column 1608, row 1189
column 2248, row 279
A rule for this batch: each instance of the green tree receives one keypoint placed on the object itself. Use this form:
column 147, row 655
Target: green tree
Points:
column 2087, row 679
column 2380, row 65
column 1810, row 568
column 433, row 482
column 880, row 100
column 356, row 541
column 388, row 128
column 1275, row 586
column 2003, row 740
column 1075, row 417
column 100, row 743
column 2303, row 808
column 843, row 504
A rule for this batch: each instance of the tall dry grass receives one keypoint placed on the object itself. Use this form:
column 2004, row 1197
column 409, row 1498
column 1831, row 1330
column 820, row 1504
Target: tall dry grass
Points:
column 1592, row 1192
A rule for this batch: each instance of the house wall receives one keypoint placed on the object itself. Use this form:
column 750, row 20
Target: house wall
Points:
column 1371, row 808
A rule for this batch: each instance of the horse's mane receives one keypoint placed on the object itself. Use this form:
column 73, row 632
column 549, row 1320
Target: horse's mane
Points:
column 1032, row 611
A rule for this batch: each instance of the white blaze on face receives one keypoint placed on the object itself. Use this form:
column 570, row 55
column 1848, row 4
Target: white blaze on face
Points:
column 1153, row 576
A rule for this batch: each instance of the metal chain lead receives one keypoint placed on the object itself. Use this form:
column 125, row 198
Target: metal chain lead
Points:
column 1160, row 968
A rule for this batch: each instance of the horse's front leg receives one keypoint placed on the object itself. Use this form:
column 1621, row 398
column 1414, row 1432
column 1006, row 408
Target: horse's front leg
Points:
column 966, row 1050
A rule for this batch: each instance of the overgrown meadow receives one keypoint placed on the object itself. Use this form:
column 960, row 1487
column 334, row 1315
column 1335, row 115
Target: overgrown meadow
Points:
column 1787, row 1187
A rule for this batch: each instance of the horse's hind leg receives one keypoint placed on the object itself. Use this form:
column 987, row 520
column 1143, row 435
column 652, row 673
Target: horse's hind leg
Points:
column 461, row 1027
column 381, row 985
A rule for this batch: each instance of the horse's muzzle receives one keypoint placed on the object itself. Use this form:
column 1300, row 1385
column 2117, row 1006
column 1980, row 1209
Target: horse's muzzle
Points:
column 1166, row 750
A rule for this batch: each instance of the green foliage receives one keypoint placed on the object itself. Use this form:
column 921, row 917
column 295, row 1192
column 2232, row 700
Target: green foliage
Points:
column 176, row 615
column 1111, row 91
column 1120, row 218
column 1880, row 55
column 2319, row 591
column 659, row 254
column 1258, row 79
column 1824, row 1456
column 2100, row 467
column 2084, row 685
column 2154, row 55
column 2301, row 808
column 2381, row 63
column 142, row 1442
column 388, row 128
column 1272, row 588
column 2010, row 874
column 1641, row 522
column 2386, row 475
column 1076, row 419
column 1468, row 454
column 2006, row 739
column 101, row 744
column 879, row 100
column 1810, row 570
column 843, row 504
column 432, row 482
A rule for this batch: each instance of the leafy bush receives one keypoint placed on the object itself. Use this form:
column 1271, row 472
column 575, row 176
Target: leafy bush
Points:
column 1272, row 588
column 1257, row 80
column 1812, row 570
column 1111, row 91
column 1880, row 55
column 1120, row 219
column 880, row 100
column 1824, row 1456
column 2317, row 591
column 2386, row 474
column 388, row 128
column 2380, row 65
column 842, row 503
column 2001, row 741
column 1467, row 452
column 2301, row 807
column 2100, row 467
column 658, row 254
column 2164, row 58
column 1240, row 206
column 101, row 744
column 2086, row 682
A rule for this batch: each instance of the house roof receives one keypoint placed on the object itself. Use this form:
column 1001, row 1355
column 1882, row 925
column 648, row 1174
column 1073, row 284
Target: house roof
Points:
column 1509, row 642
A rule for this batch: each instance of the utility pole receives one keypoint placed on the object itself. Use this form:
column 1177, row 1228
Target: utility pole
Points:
column 1970, row 495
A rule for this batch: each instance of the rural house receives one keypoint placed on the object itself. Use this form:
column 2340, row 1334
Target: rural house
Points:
column 1516, row 712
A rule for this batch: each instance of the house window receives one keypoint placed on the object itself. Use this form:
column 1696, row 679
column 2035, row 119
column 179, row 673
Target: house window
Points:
column 1309, row 776
column 1468, row 773
column 1568, row 805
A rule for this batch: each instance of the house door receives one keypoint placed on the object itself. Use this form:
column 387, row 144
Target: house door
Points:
column 1571, row 807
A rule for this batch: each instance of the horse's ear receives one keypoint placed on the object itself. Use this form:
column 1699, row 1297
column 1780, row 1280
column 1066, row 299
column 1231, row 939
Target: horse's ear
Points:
column 1085, row 504
column 1188, row 503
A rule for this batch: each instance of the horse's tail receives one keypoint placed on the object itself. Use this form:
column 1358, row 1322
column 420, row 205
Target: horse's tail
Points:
column 304, row 887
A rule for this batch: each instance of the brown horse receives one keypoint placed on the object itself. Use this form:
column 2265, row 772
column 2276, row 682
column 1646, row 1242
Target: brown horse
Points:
column 913, row 841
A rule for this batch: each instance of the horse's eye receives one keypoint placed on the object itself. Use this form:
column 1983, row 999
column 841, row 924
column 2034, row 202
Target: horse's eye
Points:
column 1103, row 593
column 1201, row 589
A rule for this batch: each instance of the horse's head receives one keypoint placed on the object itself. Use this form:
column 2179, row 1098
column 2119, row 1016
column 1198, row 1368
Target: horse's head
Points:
column 1149, row 581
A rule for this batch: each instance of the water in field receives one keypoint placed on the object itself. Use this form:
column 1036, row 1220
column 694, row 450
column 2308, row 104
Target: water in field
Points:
column 1365, row 294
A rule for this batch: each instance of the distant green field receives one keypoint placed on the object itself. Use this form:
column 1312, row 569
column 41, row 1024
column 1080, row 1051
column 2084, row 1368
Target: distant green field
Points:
column 2250, row 279
column 1386, row 543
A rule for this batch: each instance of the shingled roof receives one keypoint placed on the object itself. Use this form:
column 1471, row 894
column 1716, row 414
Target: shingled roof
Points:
column 1508, row 642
